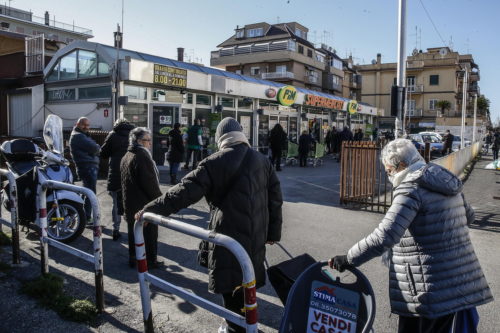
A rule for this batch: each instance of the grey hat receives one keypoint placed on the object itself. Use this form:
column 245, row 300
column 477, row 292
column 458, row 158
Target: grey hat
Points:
column 227, row 125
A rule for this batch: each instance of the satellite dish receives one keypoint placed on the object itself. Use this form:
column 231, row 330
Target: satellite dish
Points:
column 374, row 62
column 415, row 52
column 443, row 51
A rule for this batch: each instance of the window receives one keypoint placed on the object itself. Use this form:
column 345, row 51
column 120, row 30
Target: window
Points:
column 291, row 45
column 309, row 53
column 54, row 74
column 300, row 33
column 136, row 113
column 280, row 68
column 226, row 102
column 61, row 95
column 256, row 32
column 189, row 98
column 434, row 80
column 336, row 63
column 203, row 99
column 87, row 64
column 135, row 92
column 320, row 57
column 336, row 79
column 433, row 104
column 240, row 33
column 94, row 92
column 159, row 95
column 254, row 71
column 411, row 105
column 67, row 69
column 245, row 103
column 20, row 30
column 103, row 68
column 301, row 49
column 238, row 71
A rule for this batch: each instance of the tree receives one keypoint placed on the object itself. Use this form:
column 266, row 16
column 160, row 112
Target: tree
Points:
column 483, row 105
column 443, row 105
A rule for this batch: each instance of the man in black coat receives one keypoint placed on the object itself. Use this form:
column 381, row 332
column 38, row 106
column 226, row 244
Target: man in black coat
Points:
column 345, row 135
column 175, row 152
column 245, row 198
column 305, row 141
column 114, row 148
column 448, row 143
column 277, row 141
column 140, row 185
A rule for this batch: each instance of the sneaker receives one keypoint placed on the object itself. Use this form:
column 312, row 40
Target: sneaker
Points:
column 223, row 327
column 155, row 264
column 116, row 235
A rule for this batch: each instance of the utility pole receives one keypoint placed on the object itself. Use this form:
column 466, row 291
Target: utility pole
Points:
column 464, row 109
column 401, row 68
column 474, row 125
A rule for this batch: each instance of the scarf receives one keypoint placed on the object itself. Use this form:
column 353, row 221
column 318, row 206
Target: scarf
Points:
column 231, row 139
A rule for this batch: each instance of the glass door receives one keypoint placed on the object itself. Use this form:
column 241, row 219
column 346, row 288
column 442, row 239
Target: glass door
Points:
column 164, row 118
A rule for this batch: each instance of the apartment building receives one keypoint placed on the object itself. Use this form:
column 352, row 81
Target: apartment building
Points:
column 431, row 76
column 282, row 53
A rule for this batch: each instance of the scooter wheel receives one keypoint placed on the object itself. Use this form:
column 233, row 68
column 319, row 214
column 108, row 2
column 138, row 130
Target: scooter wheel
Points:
column 70, row 223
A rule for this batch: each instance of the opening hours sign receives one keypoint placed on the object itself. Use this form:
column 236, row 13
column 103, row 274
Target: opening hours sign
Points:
column 170, row 76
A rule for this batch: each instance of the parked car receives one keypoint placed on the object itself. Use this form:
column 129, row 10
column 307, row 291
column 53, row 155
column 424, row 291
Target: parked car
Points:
column 456, row 142
column 439, row 135
column 420, row 139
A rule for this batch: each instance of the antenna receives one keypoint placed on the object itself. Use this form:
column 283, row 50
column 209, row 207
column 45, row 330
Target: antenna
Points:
column 122, row 19
column 277, row 19
column 467, row 45
column 451, row 43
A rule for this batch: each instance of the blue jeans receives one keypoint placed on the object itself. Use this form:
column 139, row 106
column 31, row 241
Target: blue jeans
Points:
column 174, row 168
column 88, row 175
column 116, row 210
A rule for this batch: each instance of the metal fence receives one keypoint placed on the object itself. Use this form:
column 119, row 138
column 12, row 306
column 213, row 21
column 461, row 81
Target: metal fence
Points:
column 249, row 322
column 363, row 181
column 45, row 241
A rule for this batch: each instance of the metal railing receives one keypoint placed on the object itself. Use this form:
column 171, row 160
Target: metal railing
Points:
column 14, row 214
column 249, row 321
column 415, row 88
column 277, row 75
column 45, row 241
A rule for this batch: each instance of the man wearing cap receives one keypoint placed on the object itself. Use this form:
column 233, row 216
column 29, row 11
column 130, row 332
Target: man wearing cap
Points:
column 245, row 200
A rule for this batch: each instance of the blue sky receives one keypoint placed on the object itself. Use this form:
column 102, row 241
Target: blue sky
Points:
column 361, row 27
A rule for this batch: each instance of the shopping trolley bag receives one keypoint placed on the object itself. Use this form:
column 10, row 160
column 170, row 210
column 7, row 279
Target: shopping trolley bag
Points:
column 321, row 302
column 283, row 275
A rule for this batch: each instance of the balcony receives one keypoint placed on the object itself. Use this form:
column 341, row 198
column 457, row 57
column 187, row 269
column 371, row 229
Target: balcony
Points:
column 311, row 79
column 415, row 112
column 277, row 75
column 415, row 89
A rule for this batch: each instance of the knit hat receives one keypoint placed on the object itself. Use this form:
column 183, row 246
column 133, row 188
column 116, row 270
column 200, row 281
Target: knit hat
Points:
column 227, row 125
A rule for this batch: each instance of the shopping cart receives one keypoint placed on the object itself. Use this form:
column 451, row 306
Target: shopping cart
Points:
column 319, row 153
column 292, row 154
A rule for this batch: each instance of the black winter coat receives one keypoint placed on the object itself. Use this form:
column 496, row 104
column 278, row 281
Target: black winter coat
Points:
column 175, row 152
column 305, row 143
column 277, row 139
column 250, row 212
column 114, row 148
column 139, row 180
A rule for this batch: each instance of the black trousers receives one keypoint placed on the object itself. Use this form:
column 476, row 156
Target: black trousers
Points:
column 425, row 325
column 196, row 157
column 235, row 303
column 150, row 241
column 276, row 159
column 303, row 159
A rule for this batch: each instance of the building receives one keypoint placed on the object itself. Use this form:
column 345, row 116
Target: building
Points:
column 27, row 43
column 282, row 53
column 157, row 92
column 431, row 76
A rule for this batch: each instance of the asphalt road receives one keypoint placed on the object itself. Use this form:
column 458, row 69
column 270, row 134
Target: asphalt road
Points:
column 313, row 223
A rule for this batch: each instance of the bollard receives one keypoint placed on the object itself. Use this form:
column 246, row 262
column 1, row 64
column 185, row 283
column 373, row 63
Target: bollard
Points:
column 427, row 152
column 14, row 216
column 96, row 258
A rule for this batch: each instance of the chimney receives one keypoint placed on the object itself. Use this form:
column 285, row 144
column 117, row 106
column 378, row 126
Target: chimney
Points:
column 180, row 54
column 47, row 18
column 379, row 58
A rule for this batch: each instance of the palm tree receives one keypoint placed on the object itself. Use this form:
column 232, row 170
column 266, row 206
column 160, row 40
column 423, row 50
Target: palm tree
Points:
column 443, row 105
column 483, row 105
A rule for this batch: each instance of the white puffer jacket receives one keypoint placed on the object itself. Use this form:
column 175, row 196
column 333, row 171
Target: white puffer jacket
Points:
column 433, row 268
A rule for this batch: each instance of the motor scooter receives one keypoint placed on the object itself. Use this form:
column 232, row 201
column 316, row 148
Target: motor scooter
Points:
column 32, row 165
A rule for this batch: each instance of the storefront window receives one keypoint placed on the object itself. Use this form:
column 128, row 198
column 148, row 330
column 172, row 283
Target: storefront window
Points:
column 136, row 92
column 245, row 103
column 87, row 63
column 203, row 99
column 263, row 134
column 226, row 113
column 226, row 102
column 94, row 92
column 246, row 119
column 103, row 68
column 188, row 98
column 136, row 113
column 186, row 117
column 159, row 95
column 67, row 69
column 61, row 95
column 293, row 130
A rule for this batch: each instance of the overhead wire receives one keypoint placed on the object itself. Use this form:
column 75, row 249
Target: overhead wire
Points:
column 430, row 19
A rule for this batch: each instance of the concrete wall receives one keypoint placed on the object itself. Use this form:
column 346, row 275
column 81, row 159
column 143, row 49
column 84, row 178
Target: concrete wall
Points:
column 457, row 161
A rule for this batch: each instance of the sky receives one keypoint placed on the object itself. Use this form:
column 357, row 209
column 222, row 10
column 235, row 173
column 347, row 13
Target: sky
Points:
column 362, row 28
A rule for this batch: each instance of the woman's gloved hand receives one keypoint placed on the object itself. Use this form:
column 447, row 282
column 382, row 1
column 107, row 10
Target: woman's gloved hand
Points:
column 339, row 263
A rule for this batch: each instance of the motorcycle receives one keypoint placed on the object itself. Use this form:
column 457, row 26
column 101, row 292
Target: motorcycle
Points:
column 32, row 165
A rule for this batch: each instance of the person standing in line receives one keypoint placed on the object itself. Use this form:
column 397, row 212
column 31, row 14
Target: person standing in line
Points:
column 194, row 144
column 140, row 185
column 488, row 140
column 359, row 135
column 424, row 240
column 448, row 143
column 85, row 153
column 304, row 147
column 175, row 152
column 345, row 135
column 114, row 148
column 240, row 185
column 495, row 146
column 277, row 140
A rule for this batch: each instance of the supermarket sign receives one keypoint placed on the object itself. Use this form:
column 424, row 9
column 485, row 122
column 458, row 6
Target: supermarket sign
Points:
column 323, row 102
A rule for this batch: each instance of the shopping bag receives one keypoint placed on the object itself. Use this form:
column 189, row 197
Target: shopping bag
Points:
column 283, row 275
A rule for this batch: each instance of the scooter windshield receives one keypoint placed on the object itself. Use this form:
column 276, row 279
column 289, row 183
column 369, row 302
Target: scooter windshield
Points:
column 53, row 134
